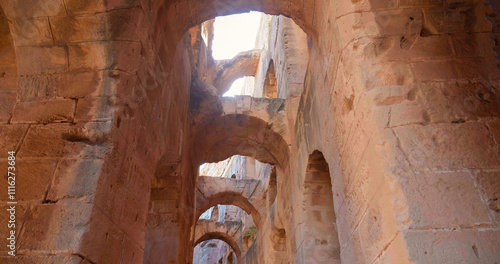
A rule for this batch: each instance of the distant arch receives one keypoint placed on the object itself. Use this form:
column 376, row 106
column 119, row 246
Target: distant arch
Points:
column 239, row 134
column 230, row 198
column 224, row 237
column 201, row 11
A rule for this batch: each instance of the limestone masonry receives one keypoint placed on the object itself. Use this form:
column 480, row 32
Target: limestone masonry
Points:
column 370, row 135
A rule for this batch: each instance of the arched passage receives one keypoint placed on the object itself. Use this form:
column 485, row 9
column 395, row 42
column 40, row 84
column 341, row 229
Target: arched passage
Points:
column 224, row 237
column 190, row 13
column 162, row 228
column 230, row 198
column 239, row 134
column 320, row 237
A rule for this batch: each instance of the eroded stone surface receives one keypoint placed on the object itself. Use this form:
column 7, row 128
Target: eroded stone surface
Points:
column 112, row 105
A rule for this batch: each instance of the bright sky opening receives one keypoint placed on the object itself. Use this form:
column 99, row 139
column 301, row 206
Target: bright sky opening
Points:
column 232, row 35
column 236, row 88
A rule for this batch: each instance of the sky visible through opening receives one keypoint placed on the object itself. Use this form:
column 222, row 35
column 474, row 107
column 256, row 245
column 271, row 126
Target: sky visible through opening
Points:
column 232, row 35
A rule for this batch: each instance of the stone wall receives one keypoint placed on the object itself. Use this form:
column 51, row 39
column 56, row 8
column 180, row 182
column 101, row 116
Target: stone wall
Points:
column 112, row 113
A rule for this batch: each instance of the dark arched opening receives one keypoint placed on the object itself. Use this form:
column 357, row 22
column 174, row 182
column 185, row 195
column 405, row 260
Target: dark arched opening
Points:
column 320, row 237
column 224, row 237
column 270, row 83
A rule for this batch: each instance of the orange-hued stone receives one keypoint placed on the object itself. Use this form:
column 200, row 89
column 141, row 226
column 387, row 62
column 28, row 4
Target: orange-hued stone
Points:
column 369, row 134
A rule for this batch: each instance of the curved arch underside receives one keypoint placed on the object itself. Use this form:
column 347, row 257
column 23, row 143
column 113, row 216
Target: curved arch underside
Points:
column 230, row 198
column 238, row 134
column 224, row 237
column 201, row 11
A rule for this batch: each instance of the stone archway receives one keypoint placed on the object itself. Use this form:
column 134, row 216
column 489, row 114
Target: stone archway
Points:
column 189, row 14
column 206, row 228
column 240, row 134
column 224, row 237
column 320, row 242
column 229, row 198
column 227, row 71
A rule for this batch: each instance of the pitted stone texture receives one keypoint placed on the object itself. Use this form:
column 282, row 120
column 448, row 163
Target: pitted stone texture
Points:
column 353, row 47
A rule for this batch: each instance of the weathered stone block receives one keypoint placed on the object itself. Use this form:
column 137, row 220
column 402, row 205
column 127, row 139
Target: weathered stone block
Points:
column 138, row 183
column 448, row 146
column 395, row 22
column 55, row 140
column 432, row 197
column 110, row 195
column 458, row 19
column 434, row 97
column 474, row 245
column 407, row 113
column 103, row 234
column 433, row 70
column 7, row 103
column 133, row 218
column 122, row 24
column 31, row 31
column 32, row 8
column 95, row 109
column 396, row 251
column 494, row 127
column 489, row 183
column 11, row 138
column 377, row 227
column 477, row 68
column 418, row 48
column 132, row 252
column 471, row 100
column 46, row 111
column 84, row 84
column 126, row 58
column 8, row 54
column 8, row 77
column 67, row 29
column 75, row 178
column 37, row 86
column 394, row 73
column 32, row 181
column 89, row 56
column 473, row 45
column 41, row 60
column 55, row 226
column 85, row 7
